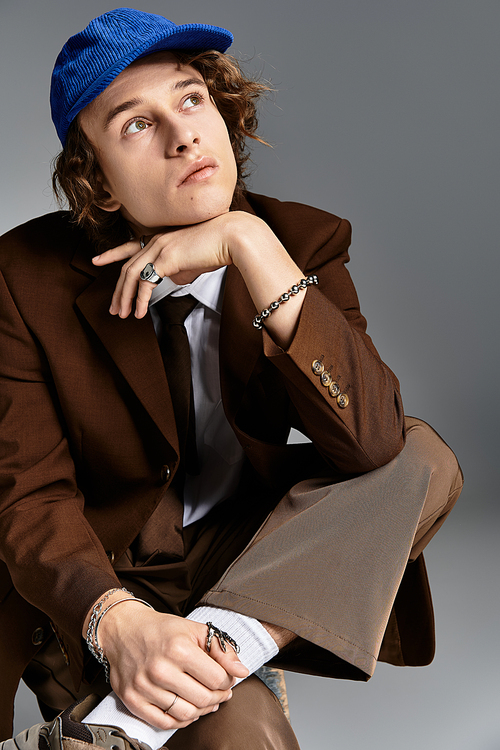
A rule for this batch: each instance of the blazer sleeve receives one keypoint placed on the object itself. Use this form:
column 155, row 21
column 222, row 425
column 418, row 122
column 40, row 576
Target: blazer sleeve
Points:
column 363, row 428
column 55, row 559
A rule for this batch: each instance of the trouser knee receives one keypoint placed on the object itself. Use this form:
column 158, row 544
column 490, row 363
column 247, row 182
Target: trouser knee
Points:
column 251, row 720
column 445, row 479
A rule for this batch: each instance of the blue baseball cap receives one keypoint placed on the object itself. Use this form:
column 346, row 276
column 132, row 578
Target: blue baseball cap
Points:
column 91, row 60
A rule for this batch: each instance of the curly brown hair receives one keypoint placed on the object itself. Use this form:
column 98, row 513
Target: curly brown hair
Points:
column 76, row 171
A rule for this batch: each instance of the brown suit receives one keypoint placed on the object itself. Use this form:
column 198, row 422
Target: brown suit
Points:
column 88, row 437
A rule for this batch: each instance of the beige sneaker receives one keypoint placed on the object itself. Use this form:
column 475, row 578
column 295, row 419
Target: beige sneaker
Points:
column 68, row 732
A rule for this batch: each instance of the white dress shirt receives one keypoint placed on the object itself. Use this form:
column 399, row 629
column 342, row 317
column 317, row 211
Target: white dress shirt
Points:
column 219, row 452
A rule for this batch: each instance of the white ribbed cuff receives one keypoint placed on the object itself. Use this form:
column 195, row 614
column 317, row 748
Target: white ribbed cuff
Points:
column 112, row 712
column 256, row 645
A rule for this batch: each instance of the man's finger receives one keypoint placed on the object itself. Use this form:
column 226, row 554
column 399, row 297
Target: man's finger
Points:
column 144, row 293
column 167, row 681
column 228, row 660
column 186, row 701
column 184, row 711
column 127, row 250
column 208, row 672
column 130, row 287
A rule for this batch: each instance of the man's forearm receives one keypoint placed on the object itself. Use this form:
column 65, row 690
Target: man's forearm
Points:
column 281, row 636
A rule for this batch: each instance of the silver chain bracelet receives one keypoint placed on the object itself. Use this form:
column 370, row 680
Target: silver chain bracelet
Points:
column 96, row 611
column 95, row 619
column 258, row 321
column 99, row 652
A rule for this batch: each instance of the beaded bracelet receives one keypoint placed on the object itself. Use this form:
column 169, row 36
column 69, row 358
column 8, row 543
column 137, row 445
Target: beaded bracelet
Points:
column 258, row 321
column 97, row 648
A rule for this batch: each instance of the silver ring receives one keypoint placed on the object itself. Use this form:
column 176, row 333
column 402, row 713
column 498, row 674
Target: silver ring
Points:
column 222, row 637
column 148, row 273
column 171, row 705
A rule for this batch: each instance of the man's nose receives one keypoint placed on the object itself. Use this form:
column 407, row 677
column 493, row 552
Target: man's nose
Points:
column 181, row 136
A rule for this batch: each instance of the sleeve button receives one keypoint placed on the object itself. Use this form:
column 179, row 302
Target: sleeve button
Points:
column 334, row 389
column 326, row 379
column 343, row 400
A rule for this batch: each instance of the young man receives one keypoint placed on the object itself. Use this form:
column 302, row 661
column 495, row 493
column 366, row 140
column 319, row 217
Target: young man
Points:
column 146, row 447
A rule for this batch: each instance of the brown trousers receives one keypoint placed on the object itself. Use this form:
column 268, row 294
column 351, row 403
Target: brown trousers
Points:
column 326, row 564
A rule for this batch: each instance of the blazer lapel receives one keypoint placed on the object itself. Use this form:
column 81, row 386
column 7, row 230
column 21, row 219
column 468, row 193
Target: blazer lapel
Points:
column 133, row 346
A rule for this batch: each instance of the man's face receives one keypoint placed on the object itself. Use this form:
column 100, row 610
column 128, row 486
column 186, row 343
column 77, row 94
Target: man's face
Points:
column 162, row 146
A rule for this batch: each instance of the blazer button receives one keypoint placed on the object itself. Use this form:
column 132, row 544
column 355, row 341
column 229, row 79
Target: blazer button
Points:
column 110, row 555
column 334, row 389
column 317, row 367
column 165, row 473
column 343, row 400
column 326, row 379
column 38, row 636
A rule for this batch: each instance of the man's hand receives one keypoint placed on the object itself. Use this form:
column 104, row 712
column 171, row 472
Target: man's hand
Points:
column 153, row 657
column 182, row 254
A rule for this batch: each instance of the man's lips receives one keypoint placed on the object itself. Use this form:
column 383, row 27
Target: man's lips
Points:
column 198, row 171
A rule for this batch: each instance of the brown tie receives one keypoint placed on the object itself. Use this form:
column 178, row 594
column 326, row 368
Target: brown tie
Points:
column 174, row 345
column 161, row 537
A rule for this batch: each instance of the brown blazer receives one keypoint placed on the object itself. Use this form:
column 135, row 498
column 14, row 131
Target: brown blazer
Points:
column 88, row 440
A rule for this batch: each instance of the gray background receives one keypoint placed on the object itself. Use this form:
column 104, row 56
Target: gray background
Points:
column 386, row 113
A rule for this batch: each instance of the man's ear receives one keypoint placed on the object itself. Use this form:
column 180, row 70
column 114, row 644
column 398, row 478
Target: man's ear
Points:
column 104, row 196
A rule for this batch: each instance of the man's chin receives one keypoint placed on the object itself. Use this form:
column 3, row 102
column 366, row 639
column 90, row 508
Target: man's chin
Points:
column 188, row 219
column 206, row 213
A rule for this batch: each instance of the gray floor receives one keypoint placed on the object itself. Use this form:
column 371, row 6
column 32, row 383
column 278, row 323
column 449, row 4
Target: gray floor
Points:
column 450, row 705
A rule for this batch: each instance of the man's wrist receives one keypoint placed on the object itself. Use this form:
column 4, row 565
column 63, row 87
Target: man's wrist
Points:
column 99, row 611
column 108, row 597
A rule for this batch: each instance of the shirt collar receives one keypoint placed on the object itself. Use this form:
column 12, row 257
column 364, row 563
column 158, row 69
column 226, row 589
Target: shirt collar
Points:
column 206, row 288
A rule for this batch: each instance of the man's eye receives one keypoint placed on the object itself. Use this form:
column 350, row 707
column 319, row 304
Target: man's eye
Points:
column 193, row 100
column 136, row 126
